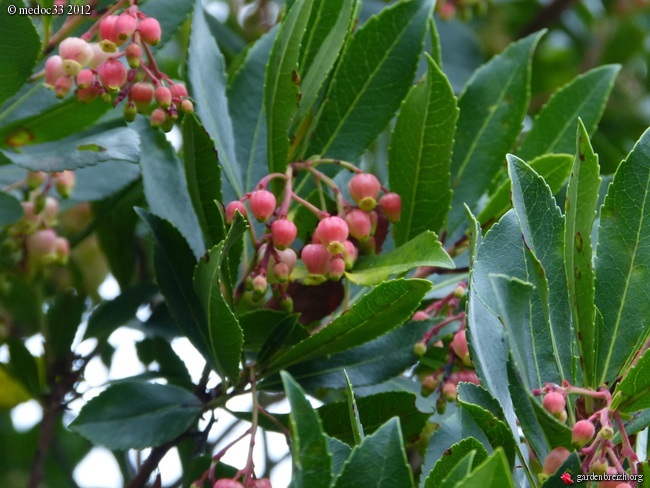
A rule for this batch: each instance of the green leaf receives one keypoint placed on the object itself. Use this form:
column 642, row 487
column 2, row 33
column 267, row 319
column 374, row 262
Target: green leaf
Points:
column 380, row 461
column 258, row 326
column 380, row 60
column 493, row 473
column 72, row 153
column 420, row 155
column 355, row 421
column 457, row 473
column 111, row 314
column 580, row 212
column 422, row 250
column 165, row 182
column 22, row 366
column 633, row 388
column 453, row 456
column 225, row 334
column 174, row 263
column 11, row 211
column 63, row 319
column 328, row 28
column 622, row 274
column 17, row 59
column 572, row 465
column 488, row 414
column 61, row 120
column 385, row 308
column 585, row 98
column 171, row 14
column 312, row 460
column 368, row 364
column 542, row 226
column 282, row 85
column 246, row 103
column 136, row 415
column 207, row 83
column 203, row 179
column 554, row 168
column 340, row 453
column 492, row 109
column 373, row 412
column 285, row 334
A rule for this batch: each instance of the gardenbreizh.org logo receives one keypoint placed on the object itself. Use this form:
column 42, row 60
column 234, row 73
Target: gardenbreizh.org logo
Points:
column 567, row 478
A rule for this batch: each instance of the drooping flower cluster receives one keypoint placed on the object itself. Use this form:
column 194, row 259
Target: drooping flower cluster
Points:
column 336, row 240
column 120, row 66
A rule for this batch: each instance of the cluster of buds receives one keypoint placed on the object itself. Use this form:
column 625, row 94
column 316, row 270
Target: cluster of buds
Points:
column 465, row 9
column 336, row 241
column 231, row 483
column 101, row 69
column 591, row 436
column 458, row 366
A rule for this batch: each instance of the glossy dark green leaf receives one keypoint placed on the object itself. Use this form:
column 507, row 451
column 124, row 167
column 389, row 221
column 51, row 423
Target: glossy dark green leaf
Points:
column 353, row 412
column 452, row 457
column 330, row 23
column 622, row 275
column 93, row 183
column 203, row 179
column 422, row 250
column 63, row 319
column 580, row 212
column 379, row 461
column 246, row 104
column 174, row 264
column 460, row 471
column 225, row 334
column 585, row 98
column 136, row 415
column 258, row 326
column 11, row 211
column 488, row 414
column 542, row 226
column 554, row 168
column 61, row 120
column 165, row 185
column 379, row 61
column 632, row 391
column 284, row 334
column 207, row 83
column 111, row 314
column 492, row 109
column 374, row 411
column 282, row 84
column 73, row 152
column 420, row 155
column 340, row 453
column 23, row 367
column 385, row 308
column 312, row 461
column 167, row 363
column 17, row 59
column 493, row 473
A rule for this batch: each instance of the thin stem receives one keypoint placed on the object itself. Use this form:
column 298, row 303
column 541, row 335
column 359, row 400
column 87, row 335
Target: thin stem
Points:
column 319, row 213
column 47, row 431
column 288, row 190
column 150, row 465
column 249, row 470
column 338, row 162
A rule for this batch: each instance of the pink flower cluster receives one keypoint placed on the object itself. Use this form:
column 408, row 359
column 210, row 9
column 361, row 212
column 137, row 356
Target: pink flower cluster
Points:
column 100, row 69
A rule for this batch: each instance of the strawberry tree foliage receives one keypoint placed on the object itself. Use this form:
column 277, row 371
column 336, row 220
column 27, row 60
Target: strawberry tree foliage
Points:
column 455, row 281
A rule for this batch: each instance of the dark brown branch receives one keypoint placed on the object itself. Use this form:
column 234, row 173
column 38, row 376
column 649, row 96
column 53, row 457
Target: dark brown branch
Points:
column 148, row 467
column 50, row 414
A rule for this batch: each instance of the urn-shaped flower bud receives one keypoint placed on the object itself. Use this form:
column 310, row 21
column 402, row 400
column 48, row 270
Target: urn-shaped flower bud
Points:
column 555, row 459
column 259, row 286
column 130, row 112
column 187, row 107
column 133, row 54
column 391, row 204
column 459, row 346
column 61, row 250
column 34, row 179
column 53, row 69
column 359, row 224
column 262, row 204
column 350, row 254
column 87, row 95
column 142, row 95
column 583, row 431
column 449, row 391
column 316, row 258
column 40, row 246
column 64, row 183
column 337, row 268
column 85, row 78
column 420, row 315
column 554, row 403
column 150, row 31
column 420, row 349
column 333, row 232
column 125, row 26
column 230, row 210
column 262, row 483
column 611, row 483
column 178, row 90
column 99, row 55
column 283, row 233
column 364, row 189
column 62, row 86
column 107, row 28
column 112, row 74
column 76, row 49
column 227, row 483
column 163, row 96
column 158, row 117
